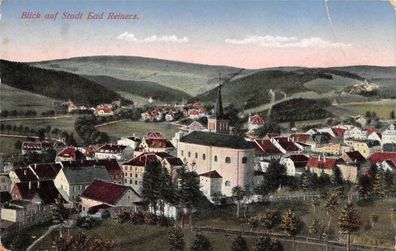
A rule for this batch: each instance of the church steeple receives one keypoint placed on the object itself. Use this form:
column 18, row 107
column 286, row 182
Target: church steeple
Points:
column 219, row 114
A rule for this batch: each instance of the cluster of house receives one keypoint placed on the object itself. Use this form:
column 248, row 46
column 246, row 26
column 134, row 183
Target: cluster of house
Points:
column 110, row 176
column 167, row 112
column 99, row 110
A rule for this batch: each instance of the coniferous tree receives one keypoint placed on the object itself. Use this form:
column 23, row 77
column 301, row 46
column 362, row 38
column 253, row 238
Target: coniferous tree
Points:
column 364, row 186
column 349, row 222
column 262, row 244
column 336, row 177
column 239, row 244
column 176, row 239
column 315, row 227
column 379, row 184
column 189, row 193
column 201, row 243
column 306, row 180
column 291, row 225
column 389, row 185
column 58, row 212
column 151, row 186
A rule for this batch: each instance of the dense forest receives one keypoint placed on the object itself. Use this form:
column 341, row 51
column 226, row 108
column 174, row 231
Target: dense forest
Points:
column 54, row 84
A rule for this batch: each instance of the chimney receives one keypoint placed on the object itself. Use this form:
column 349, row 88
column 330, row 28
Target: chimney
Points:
column 24, row 172
column 324, row 157
column 35, row 165
column 319, row 157
column 30, row 185
column 38, row 184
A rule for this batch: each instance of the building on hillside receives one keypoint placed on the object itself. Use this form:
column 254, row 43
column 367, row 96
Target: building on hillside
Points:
column 112, row 151
column 331, row 149
column 211, row 184
column 285, row 144
column 104, row 111
column 35, row 172
column 155, row 145
column 255, row 122
column 265, row 149
column 72, row 181
column 21, row 213
column 353, row 157
column 295, row 164
column 321, row 164
column 230, row 155
column 389, row 134
column 5, row 182
column 102, row 194
column 35, row 147
column 356, row 133
column 218, row 123
column 196, row 126
column 379, row 157
column 375, row 136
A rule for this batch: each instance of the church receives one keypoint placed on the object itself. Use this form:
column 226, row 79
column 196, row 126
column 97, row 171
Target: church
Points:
column 231, row 156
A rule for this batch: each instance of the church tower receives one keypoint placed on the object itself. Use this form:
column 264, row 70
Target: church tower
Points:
column 217, row 122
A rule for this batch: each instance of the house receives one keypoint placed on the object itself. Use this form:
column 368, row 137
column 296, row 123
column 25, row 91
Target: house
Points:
column 5, row 182
column 134, row 168
column 112, row 167
column 353, row 157
column 172, row 164
column 101, row 193
column 22, row 213
column 42, row 192
column 321, row 164
column 389, row 134
column 210, row 184
column 131, row 141
column 104, row 111
column 356, row 133
column 255, row 121
column 230, row 155
column 295, row 164
column 285, row 144
column 112, row 151
column 169, row 116
column 331, row 149
column 22, row 175
column 365, row 147
column 156, row 145
column 387, row 165
column 375, row 136
column 35, row 172
column 196, row 126
column 35, row 147
column 71, row 181
column 379, row 157
column 265, row 149
column 69, row 154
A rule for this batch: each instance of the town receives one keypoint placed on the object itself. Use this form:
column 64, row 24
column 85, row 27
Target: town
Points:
column 157, row 180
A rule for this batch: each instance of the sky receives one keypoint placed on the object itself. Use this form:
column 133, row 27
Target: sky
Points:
column 248, row 34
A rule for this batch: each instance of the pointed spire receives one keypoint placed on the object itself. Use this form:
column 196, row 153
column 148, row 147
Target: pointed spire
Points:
column 219, row 105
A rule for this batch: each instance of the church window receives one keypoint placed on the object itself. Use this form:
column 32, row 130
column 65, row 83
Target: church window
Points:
column 227, row 183
column 244, row 160
column 215, row 158
column 227, row 160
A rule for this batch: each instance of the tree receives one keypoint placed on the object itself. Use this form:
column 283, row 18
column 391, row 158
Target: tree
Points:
column 306, row 180
column 379, row 184
column 392, row 115
column 41, row 134
column 253, row 222
column 189, row 193
column 217, row 198
column 151, row 184
column 269, row 219
column 176, row 239
column 373, row 218
column 82, row 242
column 18, row 145
column 239, row 244
column 336, row 177
column 364, row 186
column 349, row 222
column 291, row 225
column 238, row 193
column 262, row 244
column 58, row 211
column 389, row 185
column 201, row 243
column 273, row 178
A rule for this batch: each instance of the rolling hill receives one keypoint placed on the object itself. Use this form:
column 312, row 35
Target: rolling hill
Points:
column 54, row 84
column 187, row 77
column 143, row 89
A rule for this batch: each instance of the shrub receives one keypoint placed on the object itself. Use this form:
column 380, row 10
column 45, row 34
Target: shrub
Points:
column 150, row 218
column 137, row 218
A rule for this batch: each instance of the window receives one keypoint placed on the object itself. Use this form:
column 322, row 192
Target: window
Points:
column 227, row 183
column 204, row 156
column 244, row 160
column 182, row 153
column 130, row 181
column 215, row 158
column 136, row 175
column 136, row 182
column 227, row 160
column 130, row 175
column 189, row 154
column 126, row 181
column 196, row 155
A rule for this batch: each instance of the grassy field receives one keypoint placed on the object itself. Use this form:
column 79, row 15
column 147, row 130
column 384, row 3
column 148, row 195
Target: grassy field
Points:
column 63, row 124
column 7, row 145
column 143, row 237
column 320, row 85
column 20, row 100
column 126, row 128
column 382, row 108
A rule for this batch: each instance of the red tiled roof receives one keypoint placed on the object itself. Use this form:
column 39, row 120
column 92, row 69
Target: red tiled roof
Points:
column 287, row 144
column 111, row 165
column 142, row 160
column 174, row 161
column 105, row 110
column 71, row 152
column 266, row 147
column 46, row 190
column 106, row 192
column 314, row 162
column 299, row 160
column 355, row 156
column 256, row 120
column 379, row 157
column 300, row 137
column 338, row 132
column 211, row 174
column 154, row 135
column 159, row 143
column 46, row 171
column 25, row 174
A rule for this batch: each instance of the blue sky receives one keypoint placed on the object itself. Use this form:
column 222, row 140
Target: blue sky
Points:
column 213, row 32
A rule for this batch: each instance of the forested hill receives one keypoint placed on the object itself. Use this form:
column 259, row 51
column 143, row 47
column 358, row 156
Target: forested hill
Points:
column 54, row 84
